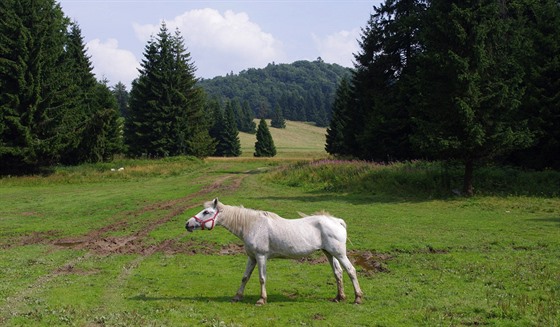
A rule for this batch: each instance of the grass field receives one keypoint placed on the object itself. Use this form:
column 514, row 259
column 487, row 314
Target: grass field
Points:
column 298, row 140
column 86, row 246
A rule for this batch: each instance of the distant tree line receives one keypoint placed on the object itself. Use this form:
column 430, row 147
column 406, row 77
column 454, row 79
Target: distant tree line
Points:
column 300, row 91
column 473, row 81
column 53, row 111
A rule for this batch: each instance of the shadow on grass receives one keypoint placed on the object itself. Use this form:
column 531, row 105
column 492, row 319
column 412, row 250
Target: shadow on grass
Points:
column 547, row 220
column 249, row 299
column 354, row 199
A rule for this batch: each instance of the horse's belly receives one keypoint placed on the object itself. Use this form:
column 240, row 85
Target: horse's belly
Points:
column 291, row 246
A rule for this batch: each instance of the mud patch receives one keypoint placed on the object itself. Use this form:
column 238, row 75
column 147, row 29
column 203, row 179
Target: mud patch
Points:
column 370, row 262
column 70, row 269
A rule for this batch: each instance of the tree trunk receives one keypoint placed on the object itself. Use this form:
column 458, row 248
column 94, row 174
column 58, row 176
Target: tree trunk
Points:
column 468, row 178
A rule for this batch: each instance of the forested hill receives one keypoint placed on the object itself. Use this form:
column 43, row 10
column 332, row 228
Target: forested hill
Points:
column 303, row 90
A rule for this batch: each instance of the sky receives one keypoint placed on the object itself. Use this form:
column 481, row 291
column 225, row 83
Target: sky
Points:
column 221, row 36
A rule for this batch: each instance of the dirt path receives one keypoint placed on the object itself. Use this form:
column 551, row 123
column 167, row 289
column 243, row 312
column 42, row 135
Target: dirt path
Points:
column 97, row 242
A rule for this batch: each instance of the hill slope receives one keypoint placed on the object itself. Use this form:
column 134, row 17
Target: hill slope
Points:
column 303, row 90
column 297, row 140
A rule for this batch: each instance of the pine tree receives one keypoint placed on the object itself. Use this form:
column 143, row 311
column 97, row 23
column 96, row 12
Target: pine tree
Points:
column 470, row 84
column 540, row 105
column 37, row 100
column 381, row 82
column 264, row 147
column 247, row 123
column 229, row 144
column 86, row 107
column 277, row 120
column 166, row 112
column 339, row 130
column 120, row 92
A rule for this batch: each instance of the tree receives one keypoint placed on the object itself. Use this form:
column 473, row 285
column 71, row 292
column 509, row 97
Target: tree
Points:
column 339, row 131
column 540, row 105
column 121, row 94
column 92, row 106
column 381, row 90
column 166, row 109
column 246, row 121
column 37, row 122
column 225, row 132
column 277, row 120
column 469, row 84
column 264, row 147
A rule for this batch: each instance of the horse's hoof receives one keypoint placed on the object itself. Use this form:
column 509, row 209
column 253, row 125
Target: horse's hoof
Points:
column 358, row 300
column 260, row 302
column 236, row 299
column 339, row 298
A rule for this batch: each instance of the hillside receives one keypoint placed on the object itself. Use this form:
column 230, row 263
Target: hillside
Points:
column 297, row 140
column 303, row 90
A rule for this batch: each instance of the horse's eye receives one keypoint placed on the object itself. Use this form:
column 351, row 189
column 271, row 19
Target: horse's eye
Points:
column 205, row 212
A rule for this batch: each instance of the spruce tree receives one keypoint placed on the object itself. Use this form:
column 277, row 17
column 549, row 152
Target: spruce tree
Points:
column 121, row 94
column 339, row 130
column 470, row 84
column 381, row 82
column 264, row 147
column 247, row 123
column 166, row 108
column 229, row 144
column 37, row 122
column 277, row 120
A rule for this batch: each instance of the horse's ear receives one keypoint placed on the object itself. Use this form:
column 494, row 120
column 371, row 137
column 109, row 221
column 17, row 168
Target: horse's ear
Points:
column 215, row 203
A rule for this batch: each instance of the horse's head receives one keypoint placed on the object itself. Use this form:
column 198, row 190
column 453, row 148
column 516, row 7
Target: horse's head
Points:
column 204, row 219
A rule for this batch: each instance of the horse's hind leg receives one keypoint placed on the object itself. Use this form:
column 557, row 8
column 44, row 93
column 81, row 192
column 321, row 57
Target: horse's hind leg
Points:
column 353, row 277
column 337, row 270
column 251, row 262
column 261, row 262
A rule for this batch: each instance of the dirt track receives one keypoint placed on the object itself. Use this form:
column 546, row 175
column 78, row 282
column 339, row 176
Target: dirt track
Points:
column 100, row 242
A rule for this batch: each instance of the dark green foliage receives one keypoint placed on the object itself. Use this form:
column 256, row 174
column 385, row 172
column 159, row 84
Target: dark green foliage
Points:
column 224, row 130
column 380, row 116
column 455, row 80
column 98, row 134
column 339, row 126
column 38, row 113
column 277, row 120
column 468, row 108
column 264, row 147
column 304, row 90
column 246, row 122
column 229, row 144
column 540, row 23
column 166, row 109
column 121, row 94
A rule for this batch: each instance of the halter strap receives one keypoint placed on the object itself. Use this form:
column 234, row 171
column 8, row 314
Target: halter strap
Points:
column 203, row 222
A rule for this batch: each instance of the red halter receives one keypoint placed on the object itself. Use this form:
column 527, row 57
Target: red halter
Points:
column 203, row 222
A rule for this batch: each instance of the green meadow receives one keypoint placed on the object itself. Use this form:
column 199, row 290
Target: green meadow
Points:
column 88, row 246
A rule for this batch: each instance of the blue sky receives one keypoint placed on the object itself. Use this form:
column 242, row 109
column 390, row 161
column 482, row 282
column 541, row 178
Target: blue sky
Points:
column 222, row 36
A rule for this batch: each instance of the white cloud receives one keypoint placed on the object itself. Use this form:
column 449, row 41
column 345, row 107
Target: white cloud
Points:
column 338, row 47
column 220, row 43
column 117, row 65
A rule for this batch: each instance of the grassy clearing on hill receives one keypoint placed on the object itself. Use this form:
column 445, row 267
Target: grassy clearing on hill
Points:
column 87, row 246
column 297, row 140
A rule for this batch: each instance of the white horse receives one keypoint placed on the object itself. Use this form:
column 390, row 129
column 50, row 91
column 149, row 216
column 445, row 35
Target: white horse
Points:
column 267, row 235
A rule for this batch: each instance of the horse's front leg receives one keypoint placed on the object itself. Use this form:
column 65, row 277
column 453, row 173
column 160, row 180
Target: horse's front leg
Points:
column 261, row 262
column 251, row 262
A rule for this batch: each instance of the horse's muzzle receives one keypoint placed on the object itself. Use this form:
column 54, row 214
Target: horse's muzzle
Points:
column 189, row 228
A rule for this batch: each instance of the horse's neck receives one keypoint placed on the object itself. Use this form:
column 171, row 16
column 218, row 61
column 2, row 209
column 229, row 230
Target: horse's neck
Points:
column 234, row 219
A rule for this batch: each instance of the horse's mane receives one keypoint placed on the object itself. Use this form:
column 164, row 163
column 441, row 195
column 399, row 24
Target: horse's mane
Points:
column 237, row 219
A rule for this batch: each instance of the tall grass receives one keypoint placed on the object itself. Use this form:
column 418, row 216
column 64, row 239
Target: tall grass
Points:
column 415, row 179
column 116, row 171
